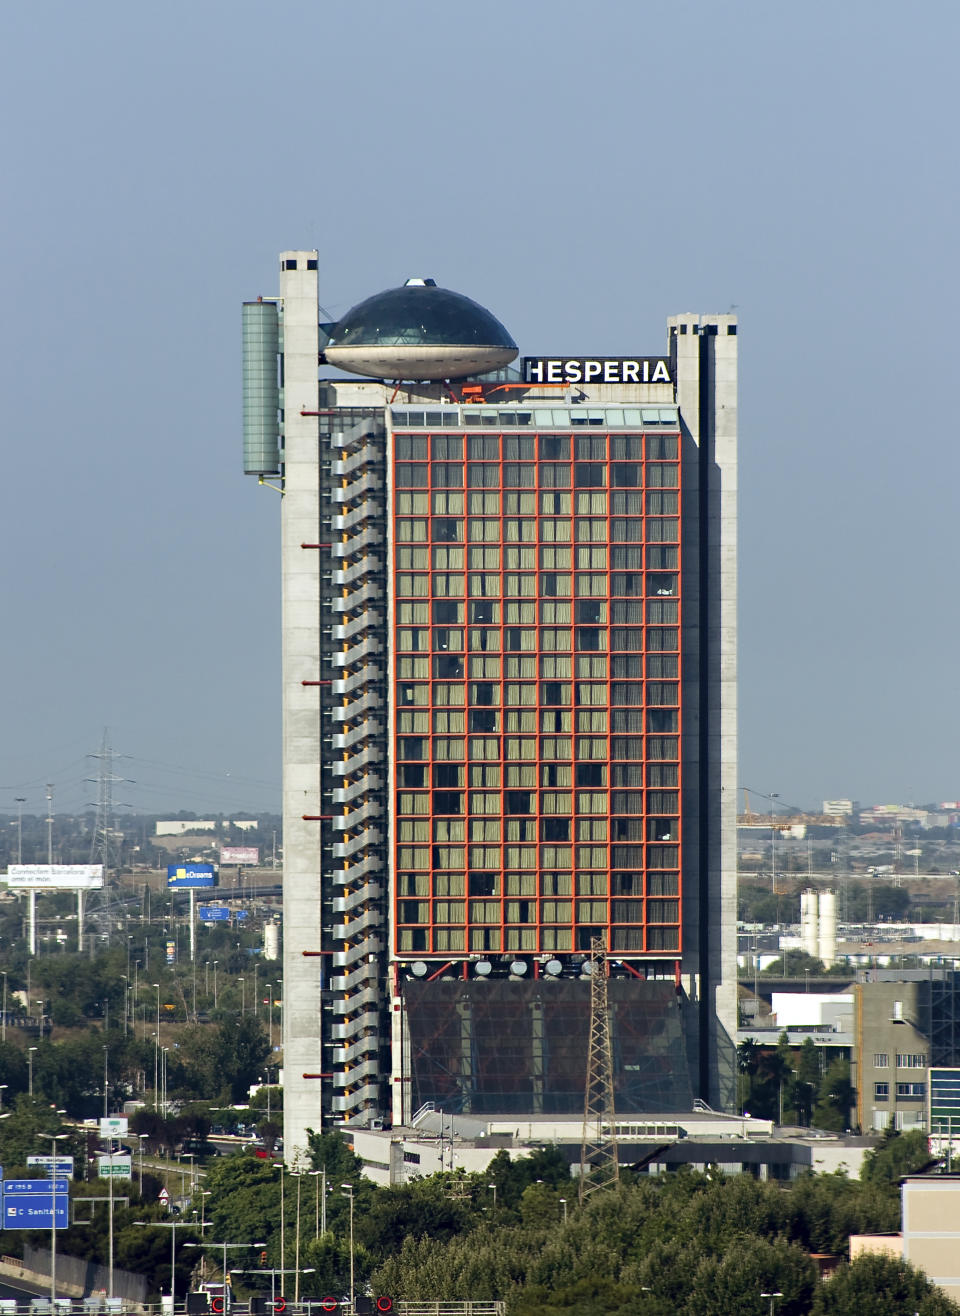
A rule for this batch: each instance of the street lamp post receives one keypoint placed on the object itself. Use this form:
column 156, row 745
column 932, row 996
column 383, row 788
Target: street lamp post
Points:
column 21, row 801
column 54, row 1139
column 173, row 1226
column 296, row 1250
column 273, row 1273
column 773, row 1297
column 156, row 1054
column 270, row 1016
column 30, row 1051
column 563, row 1203
column 348, row 1192
column 215, row 963
column 3, row 1026
column 243, row 996
column 223, row 1247
column 493, row 1186
column 774, row 795
column 320, row 1224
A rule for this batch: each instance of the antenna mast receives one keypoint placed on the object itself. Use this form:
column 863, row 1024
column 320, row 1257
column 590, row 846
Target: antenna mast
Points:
column 599, row 1161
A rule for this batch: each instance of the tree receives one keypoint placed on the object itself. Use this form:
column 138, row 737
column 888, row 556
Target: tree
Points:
column 882, row 1286
column 793, row 964
column 416, row 1210
column 746, row 1270
column 835, row 1098
column 896, row 1155
column 244, row 1200
column 330, row 1151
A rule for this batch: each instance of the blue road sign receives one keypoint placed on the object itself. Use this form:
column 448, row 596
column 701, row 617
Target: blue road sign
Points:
column 212, row 913
column 43, row 1186
column 36, row 1211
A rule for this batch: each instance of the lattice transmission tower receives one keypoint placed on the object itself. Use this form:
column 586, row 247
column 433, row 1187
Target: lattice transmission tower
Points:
column 104, row 910
column 599, row 1160
column 105, row 842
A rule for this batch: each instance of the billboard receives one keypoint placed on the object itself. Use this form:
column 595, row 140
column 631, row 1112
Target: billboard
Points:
column 184, row 876
column 239, row 854
column 113, row 1126
column 56, row 877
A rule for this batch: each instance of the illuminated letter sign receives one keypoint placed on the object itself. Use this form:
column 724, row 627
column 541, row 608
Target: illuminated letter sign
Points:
column 596, row 370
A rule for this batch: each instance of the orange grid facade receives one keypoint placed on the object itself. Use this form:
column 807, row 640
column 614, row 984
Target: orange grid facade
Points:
column 536, row 720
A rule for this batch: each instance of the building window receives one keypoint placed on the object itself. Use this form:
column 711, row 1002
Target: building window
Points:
column 911, row 1061
column 881, row 1091
column 911, row 1091
column 881, row 1060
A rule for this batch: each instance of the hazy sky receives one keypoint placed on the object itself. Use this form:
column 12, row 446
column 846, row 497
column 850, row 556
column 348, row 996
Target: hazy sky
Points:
column 584, row 171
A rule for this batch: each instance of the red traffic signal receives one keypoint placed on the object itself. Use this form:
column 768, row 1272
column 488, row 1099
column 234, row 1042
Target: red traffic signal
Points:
column 384, row 1304
column 329, row 1304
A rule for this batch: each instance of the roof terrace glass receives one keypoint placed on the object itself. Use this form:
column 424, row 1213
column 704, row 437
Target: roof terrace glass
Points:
column 420, row 315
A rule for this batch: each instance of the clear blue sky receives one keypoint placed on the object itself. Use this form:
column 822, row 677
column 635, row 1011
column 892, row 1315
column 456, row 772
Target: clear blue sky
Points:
column 584, row 171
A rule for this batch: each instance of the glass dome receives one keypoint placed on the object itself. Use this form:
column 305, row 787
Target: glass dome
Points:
column 420, row 314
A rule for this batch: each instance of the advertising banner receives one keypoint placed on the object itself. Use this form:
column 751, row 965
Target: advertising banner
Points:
column 56, row 877
column 185, row 876
column 239, row 854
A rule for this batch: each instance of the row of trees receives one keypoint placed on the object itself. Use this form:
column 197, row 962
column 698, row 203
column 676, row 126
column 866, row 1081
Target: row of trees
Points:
column 785, row 1083
column 206, row 1062
column 687, row 1244
column 682, row 1245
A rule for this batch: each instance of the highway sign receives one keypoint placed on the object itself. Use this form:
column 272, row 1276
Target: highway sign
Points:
column 213, row 913
column 115, row 1167
column 56, row 1164
column 112, row 1126
column 36, row 1211
column 21, row 1187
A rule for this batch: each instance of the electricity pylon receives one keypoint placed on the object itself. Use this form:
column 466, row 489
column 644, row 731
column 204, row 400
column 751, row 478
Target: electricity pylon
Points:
column 599, row 1161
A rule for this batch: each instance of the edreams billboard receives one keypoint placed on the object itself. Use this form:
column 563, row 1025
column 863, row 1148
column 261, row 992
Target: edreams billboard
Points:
column 187, row 876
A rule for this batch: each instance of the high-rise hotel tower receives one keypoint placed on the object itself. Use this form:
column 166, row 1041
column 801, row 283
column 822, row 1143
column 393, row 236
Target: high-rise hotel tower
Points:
column 509, row 705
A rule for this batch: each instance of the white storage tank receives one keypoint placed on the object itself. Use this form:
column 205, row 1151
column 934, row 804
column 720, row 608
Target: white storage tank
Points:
column 809, row 932
column 271, row 941
column 828, row 928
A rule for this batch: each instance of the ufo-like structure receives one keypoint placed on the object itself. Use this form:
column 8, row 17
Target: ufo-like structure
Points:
column 419, row 332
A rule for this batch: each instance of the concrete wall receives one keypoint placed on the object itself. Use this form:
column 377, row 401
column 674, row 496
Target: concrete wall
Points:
column 705, row 352
column 301, row 722
column 931, row 1228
